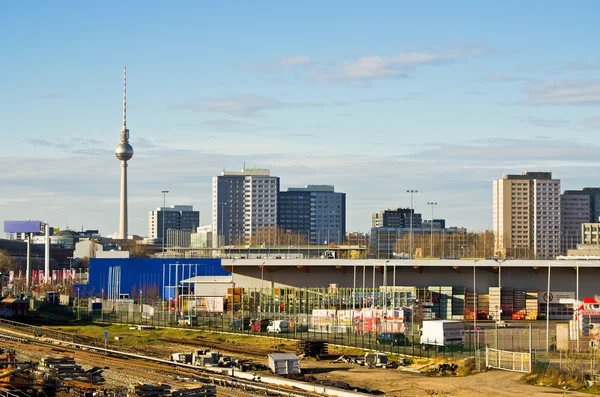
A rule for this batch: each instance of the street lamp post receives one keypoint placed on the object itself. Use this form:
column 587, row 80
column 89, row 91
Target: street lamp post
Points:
column 385, row 285
column 164, row 193
column 412, row 192
column 431, row 225
column 223, row 222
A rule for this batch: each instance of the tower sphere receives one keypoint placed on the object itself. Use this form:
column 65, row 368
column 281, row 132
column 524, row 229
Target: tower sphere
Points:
column 124, row 151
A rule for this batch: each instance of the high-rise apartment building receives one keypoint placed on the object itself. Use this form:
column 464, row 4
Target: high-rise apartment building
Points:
column 243, row 203
column 574, row 211
column 176, row 217
column 527, row 215
column 396, row 218
column 316, row 212
column 578, row 207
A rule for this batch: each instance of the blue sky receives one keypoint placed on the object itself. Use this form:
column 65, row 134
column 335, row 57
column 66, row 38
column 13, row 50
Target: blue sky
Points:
column 442, row 97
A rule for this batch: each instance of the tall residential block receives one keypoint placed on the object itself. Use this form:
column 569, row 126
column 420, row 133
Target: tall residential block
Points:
column 316, row 212
column 243, row 203
column 175, row 217
column 527, row 215
column 574, row 211
column 396, row 218
column 578, row 207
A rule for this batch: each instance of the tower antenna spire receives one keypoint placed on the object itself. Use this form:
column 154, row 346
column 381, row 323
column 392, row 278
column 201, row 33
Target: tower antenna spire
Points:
column 124, row 97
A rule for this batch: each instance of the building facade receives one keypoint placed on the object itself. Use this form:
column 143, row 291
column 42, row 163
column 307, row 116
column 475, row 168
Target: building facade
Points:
column 527, row 215
column 574, row 212
column 243, row 204
column 176, row 217
column 316, row 212
column 396, row 218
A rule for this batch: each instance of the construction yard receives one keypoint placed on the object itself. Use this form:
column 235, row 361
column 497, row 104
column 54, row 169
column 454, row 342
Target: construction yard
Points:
column 420, row 377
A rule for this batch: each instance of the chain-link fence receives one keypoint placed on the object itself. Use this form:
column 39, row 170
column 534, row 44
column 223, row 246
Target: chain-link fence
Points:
column 300, row 328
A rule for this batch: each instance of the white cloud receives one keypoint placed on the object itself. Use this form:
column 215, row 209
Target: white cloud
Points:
column 239, row 105
column 280, row 64
column 457, row 176
column 562, row 92
column 374, row 67
column 365, row 68
column 295, row 60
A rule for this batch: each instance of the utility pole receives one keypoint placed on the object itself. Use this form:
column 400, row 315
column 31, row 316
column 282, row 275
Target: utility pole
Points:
column 410, row 254
column 164, row 193
column 431, row 226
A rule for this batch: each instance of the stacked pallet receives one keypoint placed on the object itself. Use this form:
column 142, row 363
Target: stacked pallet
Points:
column 519, row 307
column 531, row 305
column 312, row 348
column 458, row 303
column 483, row 306
column 204, row 391
column 445, row 303
column 144, row 390
column 494, row 302
column 234, row 299
column 507, row 302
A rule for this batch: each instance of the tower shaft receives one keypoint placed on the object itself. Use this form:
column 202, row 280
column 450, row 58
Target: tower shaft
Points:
column 124, row 152
column 123, row 219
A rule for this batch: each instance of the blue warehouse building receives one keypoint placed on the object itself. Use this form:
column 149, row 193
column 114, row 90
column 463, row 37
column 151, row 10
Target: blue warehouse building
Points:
column 121, row 278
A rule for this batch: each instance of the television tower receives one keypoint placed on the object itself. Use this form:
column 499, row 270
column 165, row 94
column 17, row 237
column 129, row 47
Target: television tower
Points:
column 124, row 152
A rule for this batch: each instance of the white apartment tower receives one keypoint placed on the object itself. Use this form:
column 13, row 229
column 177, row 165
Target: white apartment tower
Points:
column 243, row 203
column 527, row 216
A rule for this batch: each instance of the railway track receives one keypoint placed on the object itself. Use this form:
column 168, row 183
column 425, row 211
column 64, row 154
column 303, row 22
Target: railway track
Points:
column 154, row 369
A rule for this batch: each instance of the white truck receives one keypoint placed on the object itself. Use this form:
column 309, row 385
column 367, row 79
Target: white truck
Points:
column 279, row 326
column 442, row 333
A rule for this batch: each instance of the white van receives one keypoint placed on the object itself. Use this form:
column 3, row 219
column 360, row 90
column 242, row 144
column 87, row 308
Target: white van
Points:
column 278, row 326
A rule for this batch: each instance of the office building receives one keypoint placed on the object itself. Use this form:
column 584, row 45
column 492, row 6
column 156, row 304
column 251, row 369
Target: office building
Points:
column 396, row 218
column 175, row 217
column 427, row 224
column 526, row 215
column 316, row 212
column 244, row 205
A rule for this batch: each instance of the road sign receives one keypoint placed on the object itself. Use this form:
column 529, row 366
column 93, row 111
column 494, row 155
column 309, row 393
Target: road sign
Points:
column 478, row 329
column 105, row 335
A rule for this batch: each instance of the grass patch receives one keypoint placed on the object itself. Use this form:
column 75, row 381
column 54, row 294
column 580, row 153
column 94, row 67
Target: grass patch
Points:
column 137, row 337
column 560, row 379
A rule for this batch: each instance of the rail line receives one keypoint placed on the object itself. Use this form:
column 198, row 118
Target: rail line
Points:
column 151, row 367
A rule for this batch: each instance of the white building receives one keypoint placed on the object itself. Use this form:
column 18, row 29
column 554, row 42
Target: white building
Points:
column 243, row 203
column 203, row 238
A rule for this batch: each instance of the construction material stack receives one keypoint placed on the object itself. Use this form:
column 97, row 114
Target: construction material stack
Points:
column 312, row 348
column 507, row 303
column 458, row 303
column 494, row 303
column 65, row 368
column 144, row 390
column 204, row 391
column 234, row 299
column 520, row 308
column 531, row 305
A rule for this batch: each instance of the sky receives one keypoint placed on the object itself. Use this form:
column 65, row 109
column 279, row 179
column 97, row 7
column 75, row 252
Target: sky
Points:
column 374, row 98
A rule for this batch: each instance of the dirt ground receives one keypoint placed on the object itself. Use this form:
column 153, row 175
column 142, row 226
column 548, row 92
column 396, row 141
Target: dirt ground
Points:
column 395, row 382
